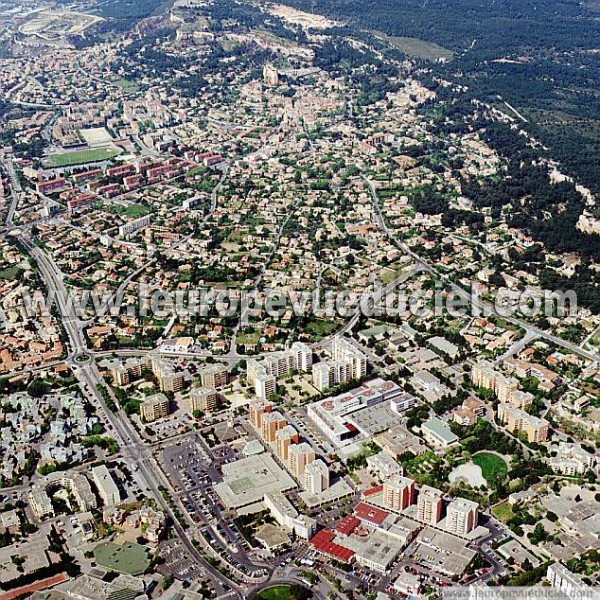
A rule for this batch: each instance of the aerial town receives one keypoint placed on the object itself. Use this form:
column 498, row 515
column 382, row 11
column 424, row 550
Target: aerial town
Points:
column 153, row 446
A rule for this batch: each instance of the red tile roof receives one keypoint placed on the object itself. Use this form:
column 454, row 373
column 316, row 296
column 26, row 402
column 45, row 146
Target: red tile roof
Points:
column 373, row 490
column 347, row 525
column 323, row 541
column 371, row 514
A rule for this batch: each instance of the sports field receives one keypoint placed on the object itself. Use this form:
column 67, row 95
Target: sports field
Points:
column 492, row 465
column 127, row 558
column 80, row 157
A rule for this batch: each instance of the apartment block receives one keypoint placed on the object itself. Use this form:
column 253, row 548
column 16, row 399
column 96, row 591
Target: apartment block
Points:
column 518, row 420
column 316, row 477
column 204, row 399
column 462, row 516
column 155, row 407
column 429, row 505
column 299, row 456
column 398, row 493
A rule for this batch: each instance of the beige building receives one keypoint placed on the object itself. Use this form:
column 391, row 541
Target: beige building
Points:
column 155, row 407
column 299, row 456
column 316, row 477
column 398, row 493
column 518, row 420
column 204, row 399
column 214, row 376
column 429, row 505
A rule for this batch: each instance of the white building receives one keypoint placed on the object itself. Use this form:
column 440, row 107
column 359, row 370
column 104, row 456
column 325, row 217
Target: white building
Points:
column 572, row 459
column 107, row 488
column 285, row 514
column 462, row 516
column 316, row 477
column 569, row 583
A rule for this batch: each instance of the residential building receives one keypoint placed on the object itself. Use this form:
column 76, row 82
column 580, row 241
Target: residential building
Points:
column 256, row 411
column 204, row 399
column 571, row 459
column 429, row 505
column 284, row 438
column 398, row 493
column 214, row 376
column 316, row 477
column 299, row 456
column 154, row 407
column 518, row 420
column 271, row 422
column 462, row 516
column 567, row 582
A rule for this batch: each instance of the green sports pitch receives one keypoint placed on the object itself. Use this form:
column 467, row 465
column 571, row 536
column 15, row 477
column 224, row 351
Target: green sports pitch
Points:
column 81, row 157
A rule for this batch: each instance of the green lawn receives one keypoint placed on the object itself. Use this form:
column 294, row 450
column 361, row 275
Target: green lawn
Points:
column 283, row 592
column 320, row 328
column 79, row 157
column 11, row 273
column 503, row 512
column 491, row 465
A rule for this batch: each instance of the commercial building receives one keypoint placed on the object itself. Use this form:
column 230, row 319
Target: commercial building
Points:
column 285, row 514
column 402, row 402
column 204, row 399
column 518, row 420
column 246, row 481
column 331, row 415
column 398, row 493
column 155, row 407
column 429, row 505
column 316, row 477
column 462, row 516
column 107, row 487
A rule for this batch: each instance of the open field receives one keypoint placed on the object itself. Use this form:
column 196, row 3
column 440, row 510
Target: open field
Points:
column 302, row 18
column 503, row 512
column 56, row 25
column 418, row 48
column 80, row 157
column 491, row 465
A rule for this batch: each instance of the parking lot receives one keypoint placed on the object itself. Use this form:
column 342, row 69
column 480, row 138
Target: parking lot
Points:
column 178, row 562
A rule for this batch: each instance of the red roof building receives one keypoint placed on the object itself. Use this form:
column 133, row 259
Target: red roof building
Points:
column 323, row 542
column 347, row 525
column 370, row 514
